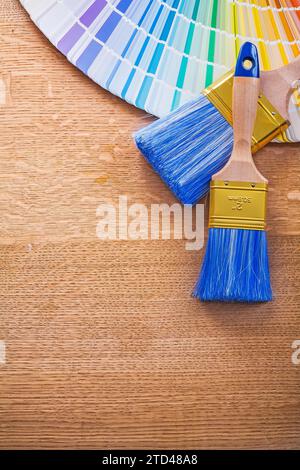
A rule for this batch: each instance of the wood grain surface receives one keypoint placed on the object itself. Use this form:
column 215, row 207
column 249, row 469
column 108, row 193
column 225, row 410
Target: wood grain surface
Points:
column 104, row 346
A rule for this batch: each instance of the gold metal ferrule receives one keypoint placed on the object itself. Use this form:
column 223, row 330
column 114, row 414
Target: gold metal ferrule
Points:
column 236, row 204
column 269, row 123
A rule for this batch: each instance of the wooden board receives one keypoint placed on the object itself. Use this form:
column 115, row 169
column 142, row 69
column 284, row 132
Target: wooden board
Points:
column 104, row 347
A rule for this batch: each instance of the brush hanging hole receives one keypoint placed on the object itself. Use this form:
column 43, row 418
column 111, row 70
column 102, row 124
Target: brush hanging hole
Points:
column 253, row 185
column 247, row 64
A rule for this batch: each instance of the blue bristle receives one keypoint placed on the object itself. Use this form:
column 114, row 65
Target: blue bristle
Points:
column 187, row 147
column 235, row 267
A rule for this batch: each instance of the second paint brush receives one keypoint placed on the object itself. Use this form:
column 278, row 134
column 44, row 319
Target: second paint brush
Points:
column 195, row 141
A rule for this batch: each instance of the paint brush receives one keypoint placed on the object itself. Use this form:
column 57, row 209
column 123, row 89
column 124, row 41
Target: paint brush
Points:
column 195, row 141
column 235, row 266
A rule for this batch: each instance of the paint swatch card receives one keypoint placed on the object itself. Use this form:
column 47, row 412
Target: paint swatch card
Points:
column 158, row 54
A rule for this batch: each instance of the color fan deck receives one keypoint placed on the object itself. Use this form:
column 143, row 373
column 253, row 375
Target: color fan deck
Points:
column 159, row 54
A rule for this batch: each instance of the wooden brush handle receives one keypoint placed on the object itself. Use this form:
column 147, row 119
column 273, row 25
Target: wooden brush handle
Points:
column 246, row 87
column 277, row 85
column 245, row 98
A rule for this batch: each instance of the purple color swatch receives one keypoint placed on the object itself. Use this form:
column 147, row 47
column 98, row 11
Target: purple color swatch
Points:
column 70, row 38
column 92, row 12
